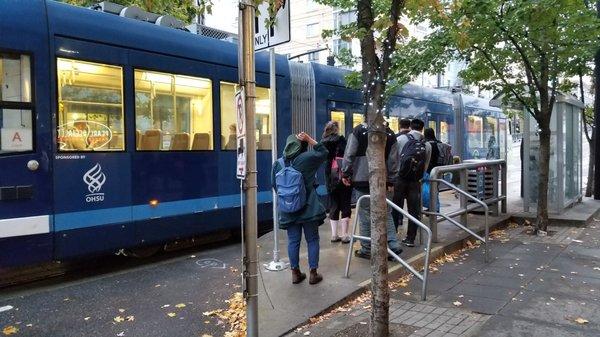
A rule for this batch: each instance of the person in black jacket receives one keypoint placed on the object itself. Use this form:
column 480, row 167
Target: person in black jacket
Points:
column 339, row 194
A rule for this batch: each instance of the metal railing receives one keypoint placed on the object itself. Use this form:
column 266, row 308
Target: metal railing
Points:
column 434, row 180
column 422, row 277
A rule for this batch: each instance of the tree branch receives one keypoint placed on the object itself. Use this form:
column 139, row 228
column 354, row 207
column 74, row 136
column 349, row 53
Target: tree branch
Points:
column 389, row 45
column 509, row 85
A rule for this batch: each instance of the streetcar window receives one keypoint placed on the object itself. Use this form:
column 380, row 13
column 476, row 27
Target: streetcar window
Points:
column 16, row 131
column 340, row 118
column 357, row 119
column 394, row 123
column 444, row 130
column 90, row 106
column 229, row 119
column 490, row 137
column 475, row 132
column 172, row 112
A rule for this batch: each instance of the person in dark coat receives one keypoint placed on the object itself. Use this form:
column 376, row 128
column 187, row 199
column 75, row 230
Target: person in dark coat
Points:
column 311, row 216
column 339, row 194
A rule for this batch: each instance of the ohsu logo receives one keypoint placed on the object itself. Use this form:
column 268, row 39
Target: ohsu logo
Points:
column 94, row 178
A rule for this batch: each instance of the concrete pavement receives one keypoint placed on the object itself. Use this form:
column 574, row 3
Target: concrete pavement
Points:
column 533, row 287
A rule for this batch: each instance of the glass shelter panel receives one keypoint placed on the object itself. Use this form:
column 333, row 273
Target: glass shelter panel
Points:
column 571, row 130
column 229, row 120
column 172, row 112
column 90, row 106
column 490, row 137
column 16, row 123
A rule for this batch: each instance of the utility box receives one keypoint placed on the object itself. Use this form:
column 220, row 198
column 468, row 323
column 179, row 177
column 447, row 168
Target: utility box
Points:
column 565, row 174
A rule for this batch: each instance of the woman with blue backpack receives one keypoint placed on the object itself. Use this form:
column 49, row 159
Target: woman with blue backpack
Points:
column 298, row 205
column 339, row 194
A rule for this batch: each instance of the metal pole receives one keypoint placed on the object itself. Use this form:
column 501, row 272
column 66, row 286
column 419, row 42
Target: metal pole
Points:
column 433, row 193
column 464, row 218
column 247, row 81
column 274, row 265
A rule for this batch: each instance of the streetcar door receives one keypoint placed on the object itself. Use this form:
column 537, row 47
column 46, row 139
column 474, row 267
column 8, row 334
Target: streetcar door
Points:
column 25, row 179
column 92, row 160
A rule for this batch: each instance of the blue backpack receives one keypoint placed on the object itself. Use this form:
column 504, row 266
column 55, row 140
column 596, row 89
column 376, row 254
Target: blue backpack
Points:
column 291, row 191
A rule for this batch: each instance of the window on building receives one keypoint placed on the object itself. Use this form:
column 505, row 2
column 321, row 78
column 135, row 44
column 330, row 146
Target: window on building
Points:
column 173, row 112
column 340, row 118
column 312, row 30
column 313, row 57
column 90, row 106
column 339, row 45
column 229, row 120
column 344, row 18
column 16, row 131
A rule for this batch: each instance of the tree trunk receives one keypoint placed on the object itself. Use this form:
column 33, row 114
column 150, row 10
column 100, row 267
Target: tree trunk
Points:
column 596, row 136
column 544, row 170
column 377, row 185
column 589, row 188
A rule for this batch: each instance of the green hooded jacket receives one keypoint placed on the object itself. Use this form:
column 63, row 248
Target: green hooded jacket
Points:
column 307, row 163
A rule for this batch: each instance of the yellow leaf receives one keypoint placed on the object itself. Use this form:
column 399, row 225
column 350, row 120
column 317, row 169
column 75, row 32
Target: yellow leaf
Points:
column 180, row 305
column 581, row 320
column 10, row 330
column 118, row 319
column 171, row 314
column 130, row 318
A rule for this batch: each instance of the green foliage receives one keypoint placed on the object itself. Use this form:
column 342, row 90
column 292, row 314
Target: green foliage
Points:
column 521, row 48
column 182, row 9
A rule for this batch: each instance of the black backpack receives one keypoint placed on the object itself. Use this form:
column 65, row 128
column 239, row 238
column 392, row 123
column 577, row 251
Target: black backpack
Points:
column 412, row 159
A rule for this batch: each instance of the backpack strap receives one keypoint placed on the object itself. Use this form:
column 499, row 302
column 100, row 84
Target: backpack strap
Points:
column 410, row 137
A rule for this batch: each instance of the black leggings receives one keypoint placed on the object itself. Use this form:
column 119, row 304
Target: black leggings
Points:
column 339, row 202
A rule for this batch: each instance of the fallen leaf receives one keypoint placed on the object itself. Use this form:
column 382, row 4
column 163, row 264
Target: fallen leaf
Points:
column 119, row 319
column 86, row 318
column 578, row 241
column 553, row 299
column 596, row 268
column 121, row 310
column 363, row 323
column 307, row 333
column 581, row 320
column 457, row 303
column 408, row 293
column 166, row 306
column 10, row 330
column 180, row 305
column 121, row 334
column 171, row 314
column 461, row 296
column 130, row 318
column 6, row 308
column 206, row 335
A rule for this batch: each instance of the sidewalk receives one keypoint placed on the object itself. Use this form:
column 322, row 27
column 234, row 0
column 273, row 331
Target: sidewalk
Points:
column 532, row 287
column 293, row 305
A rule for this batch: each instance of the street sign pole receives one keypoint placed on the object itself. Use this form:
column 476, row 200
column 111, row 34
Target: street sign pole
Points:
column 274, row 265
column 247, row 82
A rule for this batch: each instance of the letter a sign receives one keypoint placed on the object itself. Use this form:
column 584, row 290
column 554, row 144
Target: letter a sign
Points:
column 240, row 109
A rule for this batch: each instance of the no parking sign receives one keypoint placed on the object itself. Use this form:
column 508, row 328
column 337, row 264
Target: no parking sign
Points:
column 240, row 108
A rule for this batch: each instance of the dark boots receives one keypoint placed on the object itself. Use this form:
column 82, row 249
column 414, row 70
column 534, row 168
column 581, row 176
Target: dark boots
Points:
column 298, row 276
column 315, row 277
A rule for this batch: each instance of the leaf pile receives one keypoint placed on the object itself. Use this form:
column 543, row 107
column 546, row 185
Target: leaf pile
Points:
column 235, row 315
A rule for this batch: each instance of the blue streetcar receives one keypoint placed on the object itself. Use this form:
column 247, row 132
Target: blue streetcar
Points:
column 117, row 133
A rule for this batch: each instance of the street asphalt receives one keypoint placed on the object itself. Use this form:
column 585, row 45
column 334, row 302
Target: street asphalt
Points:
column 164, row 296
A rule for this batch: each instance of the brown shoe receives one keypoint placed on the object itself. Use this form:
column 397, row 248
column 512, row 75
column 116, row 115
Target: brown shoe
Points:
column 315, row 277
column 297, row 276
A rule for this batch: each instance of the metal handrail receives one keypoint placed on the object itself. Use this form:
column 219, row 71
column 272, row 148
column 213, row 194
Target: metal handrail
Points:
column 423, row 277
column 499, row 167
column 457, row 224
